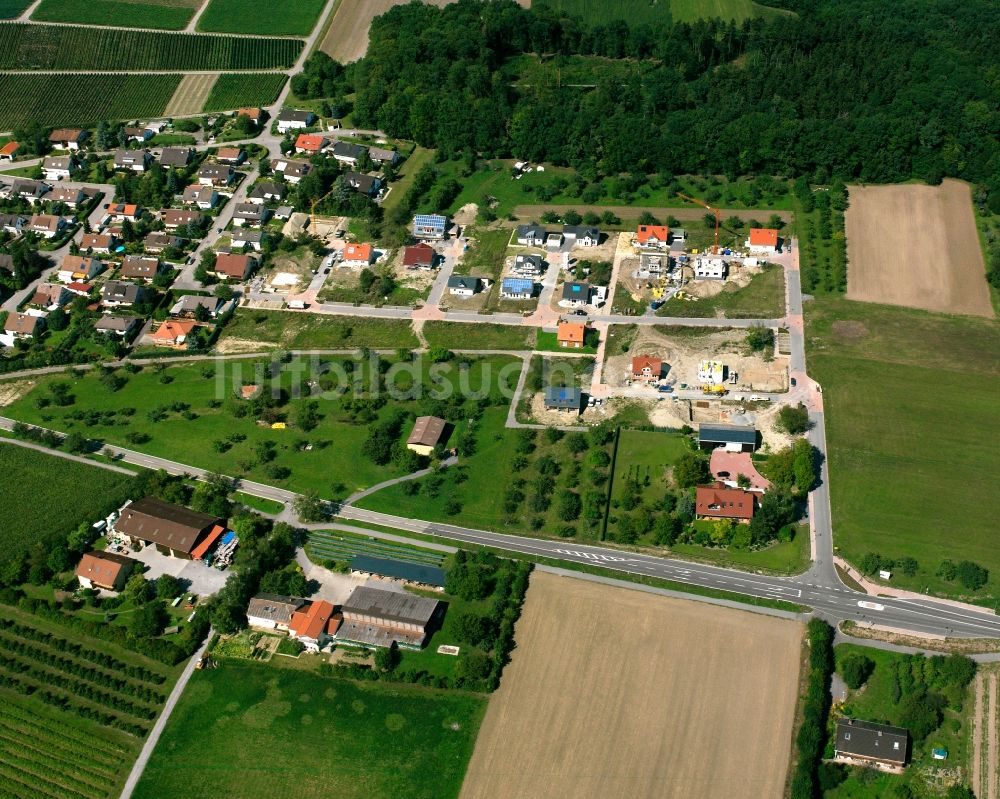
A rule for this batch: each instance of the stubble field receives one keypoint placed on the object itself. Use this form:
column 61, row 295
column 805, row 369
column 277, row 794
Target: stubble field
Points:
column 916, row 246
column 347, row 39
column 616, row 693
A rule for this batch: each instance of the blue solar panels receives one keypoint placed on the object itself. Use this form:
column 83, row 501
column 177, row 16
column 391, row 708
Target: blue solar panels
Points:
column 517, row 285
column 430, row 221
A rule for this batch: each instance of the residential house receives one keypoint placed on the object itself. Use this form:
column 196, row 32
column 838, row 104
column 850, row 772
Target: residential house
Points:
column 48, row 226
column 571, row 335
column 283, row 212
column 866, row 742
column 173, row 529
column 657, row 236
column 646, row 369
column 380, row 156
column 250, row 214
column 652, row 264
column 234, row 156
column 132, row 160
column 173, row 332
column 730, row 437
column 368, row 185
column 577, row 295
column 347, row 152
column 204, row 197
column 118, row 294
column 217, row 175
column 97, row 242
column 709, row 268
column 67, row 138
column 12, row 223
column 27, row 189
column 358, row 256
column 265, row 191
column 174, row 218
column 79, row 289
column 50, row 296
column 762, row 240
column 256, row 115
column 429, row 226
column 234, row 266
column 375, row 617
column 116, row 213
column 712, row 372
column 291, row 170
column 517, row 288
column 419, row 256
column 243, row 237
column 582, row 235
column 69, row 196
column 57, row 167
column 121, row 326
column 719, row 502
column 9, row 151
column 138, row 133
column 313, row 624
column 465, row 285
column 188, row 305
column 531, row 235
column 137, row 267
column 310, row 143
column 158, row 242
column 105, row 570
column 178, row 157
column 273, row 611
column 527, row 266
column 561, row 398
column 426, row 434
column 23, row 325
column 291, row 119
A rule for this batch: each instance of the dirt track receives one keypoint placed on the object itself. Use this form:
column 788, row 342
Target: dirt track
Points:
column 985, row 757
column 347, row 39
column 916, row 246
column 616, row 693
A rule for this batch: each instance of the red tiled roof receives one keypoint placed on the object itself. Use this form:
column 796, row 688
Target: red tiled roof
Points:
column 646, row 232
column 641, row 362
column 418, row 254
column 233, row 265
column 358, row 252
column 213, row 535
column 172, row 329
column 572, row 332
column 101, row 568
column 311, row 622
column 310, row 142
column 763, row 237
column 724, row 503
column 10, row 148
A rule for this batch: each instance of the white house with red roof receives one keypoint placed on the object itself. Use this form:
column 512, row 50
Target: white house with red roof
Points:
column 762, row 240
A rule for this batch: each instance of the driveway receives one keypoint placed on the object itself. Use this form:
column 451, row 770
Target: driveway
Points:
column 203, row 580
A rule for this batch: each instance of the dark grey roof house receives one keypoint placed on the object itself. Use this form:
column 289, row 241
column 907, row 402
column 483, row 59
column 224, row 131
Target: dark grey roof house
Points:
column 347, row 152
column 563, row 399
column 866, row 740
column 176, row 156
column 738, row 437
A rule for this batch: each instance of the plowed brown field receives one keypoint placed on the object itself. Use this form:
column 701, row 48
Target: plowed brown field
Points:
column 916, row 246
column 613, row 692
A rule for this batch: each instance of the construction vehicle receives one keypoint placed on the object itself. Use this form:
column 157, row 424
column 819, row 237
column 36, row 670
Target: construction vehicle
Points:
column 717, row 391
column 715, row 247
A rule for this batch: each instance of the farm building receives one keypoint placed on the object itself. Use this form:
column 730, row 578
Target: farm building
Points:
column 104, row 570
column 762, row 240
column 429, row 226
column 581, row 235
column 465, row 285
column 711, row 372
column 571, row 335
column 732, row 437
column 173, row 529
column 719, row 502
column 272, row 611
column 646, row 368
column 426, row 434
column 652, row 236
column 517, row 288
column 869, row 742
column 373, row 617
column 563, row 399
column 399, row 570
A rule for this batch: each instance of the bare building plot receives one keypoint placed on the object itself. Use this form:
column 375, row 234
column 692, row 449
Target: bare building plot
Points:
column 617, row 693
column 916, row 246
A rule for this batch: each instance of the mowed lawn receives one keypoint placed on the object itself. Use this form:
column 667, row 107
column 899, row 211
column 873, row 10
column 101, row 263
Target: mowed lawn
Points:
column 45, row 496
column 248, row 729
column 315, row 331
column 912, row 408
column 282, row 18
column 643, row 454
column 166, row 14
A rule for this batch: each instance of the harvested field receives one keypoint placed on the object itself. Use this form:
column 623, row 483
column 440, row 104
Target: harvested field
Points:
column 616, row 693
column 347, row 39
column 916, row 246
column 191, row 94
column 985, row 767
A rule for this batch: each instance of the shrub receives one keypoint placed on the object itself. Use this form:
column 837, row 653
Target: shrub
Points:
column 856, row 669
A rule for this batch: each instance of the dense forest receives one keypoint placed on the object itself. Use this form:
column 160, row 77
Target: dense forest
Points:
column 857, row 89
